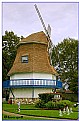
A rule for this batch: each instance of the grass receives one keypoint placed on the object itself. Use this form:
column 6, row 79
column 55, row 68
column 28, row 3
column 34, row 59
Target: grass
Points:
column 49, row 113
column 31, row 110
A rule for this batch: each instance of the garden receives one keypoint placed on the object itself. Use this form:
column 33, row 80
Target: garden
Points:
column 45, row 108
column 31, row 110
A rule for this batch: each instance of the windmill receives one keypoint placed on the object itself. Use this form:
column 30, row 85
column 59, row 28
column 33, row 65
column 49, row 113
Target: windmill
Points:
column 47, row 32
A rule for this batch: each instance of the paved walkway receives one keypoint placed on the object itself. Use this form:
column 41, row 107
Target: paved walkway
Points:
column 25, row 116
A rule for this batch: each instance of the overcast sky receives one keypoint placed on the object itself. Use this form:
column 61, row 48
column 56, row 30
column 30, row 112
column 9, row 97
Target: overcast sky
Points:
column 22, row 19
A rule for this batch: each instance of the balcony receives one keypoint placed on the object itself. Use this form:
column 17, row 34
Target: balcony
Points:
column 42, row 83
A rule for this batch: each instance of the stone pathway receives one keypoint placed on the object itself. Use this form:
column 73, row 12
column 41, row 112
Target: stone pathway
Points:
column 25, row 116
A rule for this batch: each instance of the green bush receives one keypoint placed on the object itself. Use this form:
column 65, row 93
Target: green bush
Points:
column 63, row 103
column 46, row 97
column 50, row 105
column 40, row 104
column 65, row 96
column 53, row 105
column 60, row 105
column 72, row 97
column 67, row 103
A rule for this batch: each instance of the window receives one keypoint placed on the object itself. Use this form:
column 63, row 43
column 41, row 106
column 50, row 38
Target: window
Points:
column 24, row 59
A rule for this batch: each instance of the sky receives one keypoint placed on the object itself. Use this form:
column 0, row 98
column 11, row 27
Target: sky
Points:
column 23, row 20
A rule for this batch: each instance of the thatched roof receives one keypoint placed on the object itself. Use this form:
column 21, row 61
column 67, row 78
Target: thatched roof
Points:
column 38, row 37
column 38, row 61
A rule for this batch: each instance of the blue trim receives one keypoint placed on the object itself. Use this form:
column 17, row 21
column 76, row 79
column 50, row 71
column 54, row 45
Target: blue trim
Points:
column 59, row 84
column 6, row 84
column 35, row 86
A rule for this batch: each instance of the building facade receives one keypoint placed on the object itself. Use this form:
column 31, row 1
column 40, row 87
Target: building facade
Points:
column 31, row 72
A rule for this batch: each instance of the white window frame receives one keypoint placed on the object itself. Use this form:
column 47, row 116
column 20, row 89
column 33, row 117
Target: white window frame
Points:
column 24, row 59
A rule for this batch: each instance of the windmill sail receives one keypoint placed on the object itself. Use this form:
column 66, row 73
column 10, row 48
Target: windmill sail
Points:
column 48, row 33
column 41, row 19
column 49, row 30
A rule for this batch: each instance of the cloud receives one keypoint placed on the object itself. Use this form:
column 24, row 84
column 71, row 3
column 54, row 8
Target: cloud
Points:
column 23, row 19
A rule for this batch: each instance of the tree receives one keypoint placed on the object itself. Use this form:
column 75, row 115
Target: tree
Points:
column 9, row 42
column 65, row 60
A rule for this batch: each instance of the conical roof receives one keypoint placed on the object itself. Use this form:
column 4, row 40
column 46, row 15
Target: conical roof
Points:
column 38, row 37
column 35, row 46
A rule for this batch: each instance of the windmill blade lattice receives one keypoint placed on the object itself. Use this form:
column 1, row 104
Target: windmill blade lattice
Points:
column 50, row 45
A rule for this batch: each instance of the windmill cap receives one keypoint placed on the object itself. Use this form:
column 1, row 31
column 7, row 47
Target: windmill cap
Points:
column 38, row 37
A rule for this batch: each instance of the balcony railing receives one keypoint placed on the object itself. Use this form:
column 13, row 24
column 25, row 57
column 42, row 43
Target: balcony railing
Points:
column 17, row 83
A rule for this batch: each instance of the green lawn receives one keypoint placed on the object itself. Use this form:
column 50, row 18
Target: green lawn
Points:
column 15, row 106
column 31, row 110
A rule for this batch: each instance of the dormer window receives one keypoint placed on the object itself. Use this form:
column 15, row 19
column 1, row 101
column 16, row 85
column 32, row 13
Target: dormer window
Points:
column 24, row 59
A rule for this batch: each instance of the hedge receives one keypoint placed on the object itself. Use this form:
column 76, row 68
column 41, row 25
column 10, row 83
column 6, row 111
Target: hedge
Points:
column 65, row 96
column 53, row 105
column 46, row 97
column 70, row 96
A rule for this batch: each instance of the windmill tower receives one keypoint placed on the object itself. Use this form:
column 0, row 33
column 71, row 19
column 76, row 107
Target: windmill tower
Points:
column 31, row 72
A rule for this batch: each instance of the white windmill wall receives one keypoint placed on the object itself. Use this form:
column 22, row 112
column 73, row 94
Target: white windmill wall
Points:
column 41, row 90
column 22, row 92
column 27, row 92
column 33, row 76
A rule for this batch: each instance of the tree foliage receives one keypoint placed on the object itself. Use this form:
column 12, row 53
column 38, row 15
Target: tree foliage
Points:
column 9, row 42
column 65, row 60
